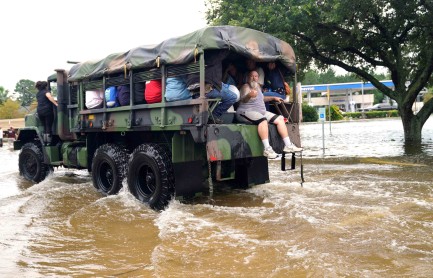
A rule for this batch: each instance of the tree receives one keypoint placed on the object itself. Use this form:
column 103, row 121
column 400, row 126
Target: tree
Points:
column 10, row 110
column 335, row 113
column 26, row 92
column 3, row 95
column 358, row 36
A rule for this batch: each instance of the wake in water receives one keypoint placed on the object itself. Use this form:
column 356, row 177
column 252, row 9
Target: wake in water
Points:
column 363, row 210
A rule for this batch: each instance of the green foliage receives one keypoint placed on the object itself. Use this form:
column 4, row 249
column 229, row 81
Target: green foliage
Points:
column 428, row 96
column 54, row 91
column 378, row 96
column 336, row 114
column 329, row 76
column 358, row 36
column 372, row 114
column 26, row 91
column 309, row 113
column 353, row 115
column 3, row 95
column 10, row 110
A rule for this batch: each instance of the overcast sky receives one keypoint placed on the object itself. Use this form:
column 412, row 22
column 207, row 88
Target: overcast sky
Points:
column 37, row 37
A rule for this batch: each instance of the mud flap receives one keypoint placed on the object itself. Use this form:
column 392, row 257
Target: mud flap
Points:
column 251, row 171
column 188, row 177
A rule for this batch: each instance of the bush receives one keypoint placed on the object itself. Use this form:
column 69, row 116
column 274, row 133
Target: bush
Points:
column 309, row 113
column 336, row 114
column 372, row 114
column 353, row 115
column 381, row 114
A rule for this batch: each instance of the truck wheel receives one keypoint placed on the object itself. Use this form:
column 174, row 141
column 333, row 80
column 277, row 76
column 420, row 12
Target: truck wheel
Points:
column 150, row 175
column 31, row 163
column 109, row 168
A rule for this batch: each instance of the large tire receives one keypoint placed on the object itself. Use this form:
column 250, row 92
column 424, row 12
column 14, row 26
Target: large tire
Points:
column 31, row 163
column 109, row 168
column 150, row 175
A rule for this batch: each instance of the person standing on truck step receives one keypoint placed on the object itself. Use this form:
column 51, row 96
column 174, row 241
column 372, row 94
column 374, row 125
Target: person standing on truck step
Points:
column 252, row 109
column 45, row 109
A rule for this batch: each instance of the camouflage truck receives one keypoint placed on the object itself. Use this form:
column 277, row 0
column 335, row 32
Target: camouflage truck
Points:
column 164, row 150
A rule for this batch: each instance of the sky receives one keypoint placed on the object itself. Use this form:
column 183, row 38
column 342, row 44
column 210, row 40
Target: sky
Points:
column 37, row 37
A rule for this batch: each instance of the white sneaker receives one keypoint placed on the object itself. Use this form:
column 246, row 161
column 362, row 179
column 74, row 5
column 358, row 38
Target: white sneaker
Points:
column 292, row 149
column 269, row 153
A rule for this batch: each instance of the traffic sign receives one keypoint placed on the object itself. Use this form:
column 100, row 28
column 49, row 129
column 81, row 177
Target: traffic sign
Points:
column 322, row 114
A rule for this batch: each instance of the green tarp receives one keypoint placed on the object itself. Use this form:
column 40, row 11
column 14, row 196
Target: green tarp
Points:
column 184, row 49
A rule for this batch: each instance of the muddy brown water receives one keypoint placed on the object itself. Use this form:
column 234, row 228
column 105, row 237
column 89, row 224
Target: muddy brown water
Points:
column 364, row 210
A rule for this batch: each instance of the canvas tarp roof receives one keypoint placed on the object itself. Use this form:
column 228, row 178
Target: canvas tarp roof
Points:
column 184, row 49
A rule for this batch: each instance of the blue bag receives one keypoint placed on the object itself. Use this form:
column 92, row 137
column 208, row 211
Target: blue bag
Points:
column 176, row 89
column 111, row 97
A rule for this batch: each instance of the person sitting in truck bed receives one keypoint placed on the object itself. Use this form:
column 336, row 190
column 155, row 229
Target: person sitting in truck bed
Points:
column 250, row 65
column 214, row 84
column 252, row 109
column 274, row 82
column 232, row 76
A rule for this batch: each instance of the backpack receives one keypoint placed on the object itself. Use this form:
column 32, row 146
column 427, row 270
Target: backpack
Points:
column 111, row 97
column 176, row 89
column 94, row 99
column 123, row 95
column 153, row 91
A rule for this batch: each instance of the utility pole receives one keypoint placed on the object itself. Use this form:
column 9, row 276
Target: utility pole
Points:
column 329, row 109
column 362, row 93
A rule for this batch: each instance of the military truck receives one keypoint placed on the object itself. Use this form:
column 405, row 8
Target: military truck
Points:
column 164, row 150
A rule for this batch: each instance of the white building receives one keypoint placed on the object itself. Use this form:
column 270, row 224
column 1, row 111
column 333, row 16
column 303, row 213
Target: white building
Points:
column 347, row 96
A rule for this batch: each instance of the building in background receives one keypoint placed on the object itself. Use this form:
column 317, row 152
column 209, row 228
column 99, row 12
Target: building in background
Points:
column 349, row 97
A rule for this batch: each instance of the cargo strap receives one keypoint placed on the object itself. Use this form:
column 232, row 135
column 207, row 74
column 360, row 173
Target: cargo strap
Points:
column 195, row 54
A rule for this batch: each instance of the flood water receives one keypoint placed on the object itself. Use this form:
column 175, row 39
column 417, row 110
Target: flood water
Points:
column 364, row 210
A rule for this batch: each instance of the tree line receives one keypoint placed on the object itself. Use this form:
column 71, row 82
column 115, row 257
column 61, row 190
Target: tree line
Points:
column 20, row 102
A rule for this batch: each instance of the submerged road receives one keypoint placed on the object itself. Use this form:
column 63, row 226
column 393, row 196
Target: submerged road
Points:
column 364, row 210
